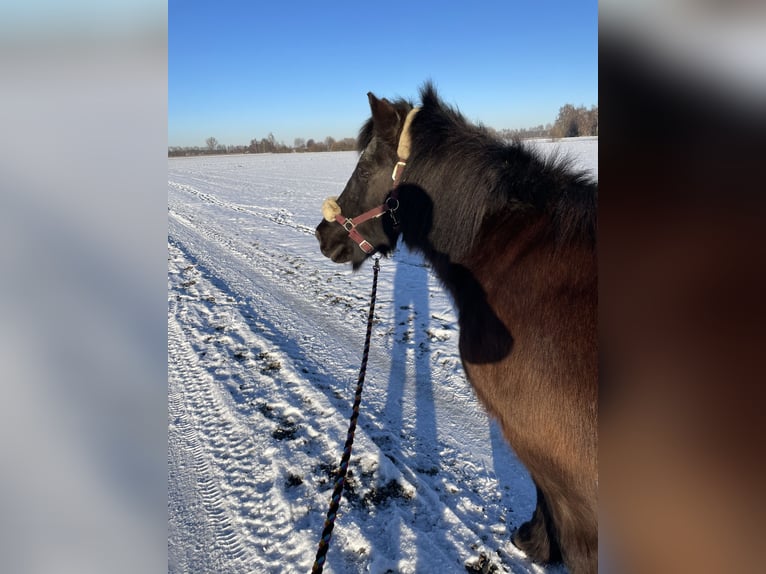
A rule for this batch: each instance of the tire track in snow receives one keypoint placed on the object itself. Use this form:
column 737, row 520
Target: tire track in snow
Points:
column 248, row 517
column 250, row 419
column 278, row 216
column 187, row 379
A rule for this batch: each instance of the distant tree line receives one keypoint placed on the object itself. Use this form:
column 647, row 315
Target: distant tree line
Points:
column 571, row 122
column 541, row 131
column 268, row 144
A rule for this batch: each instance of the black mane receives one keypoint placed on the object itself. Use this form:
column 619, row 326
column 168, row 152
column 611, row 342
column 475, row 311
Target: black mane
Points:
column 514, row 181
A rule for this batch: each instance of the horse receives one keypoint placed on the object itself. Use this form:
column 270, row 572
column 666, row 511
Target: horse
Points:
column 512, row 236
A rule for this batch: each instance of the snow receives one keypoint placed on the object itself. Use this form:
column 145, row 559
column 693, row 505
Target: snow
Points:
column 265, row 338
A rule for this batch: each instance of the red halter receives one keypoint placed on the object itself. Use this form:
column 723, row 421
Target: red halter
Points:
column 390, row 206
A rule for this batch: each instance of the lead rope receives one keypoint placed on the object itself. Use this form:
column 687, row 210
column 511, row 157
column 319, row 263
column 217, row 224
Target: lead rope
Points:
column 329, row 523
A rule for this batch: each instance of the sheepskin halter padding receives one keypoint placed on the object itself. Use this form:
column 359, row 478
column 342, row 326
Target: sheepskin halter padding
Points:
column 403, row 150
column 330, row 209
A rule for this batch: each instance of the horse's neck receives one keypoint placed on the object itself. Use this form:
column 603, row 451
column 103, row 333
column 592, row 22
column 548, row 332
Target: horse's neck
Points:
column 440, row 231
column 511, row 255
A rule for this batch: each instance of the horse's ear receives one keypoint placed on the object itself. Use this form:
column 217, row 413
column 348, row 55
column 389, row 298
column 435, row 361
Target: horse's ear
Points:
column 384, row 116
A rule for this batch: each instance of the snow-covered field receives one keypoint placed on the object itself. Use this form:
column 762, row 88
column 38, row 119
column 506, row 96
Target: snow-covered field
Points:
column 265, row 338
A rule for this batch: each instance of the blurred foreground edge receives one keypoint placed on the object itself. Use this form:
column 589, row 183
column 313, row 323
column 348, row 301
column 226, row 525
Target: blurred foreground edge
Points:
column 682, row 262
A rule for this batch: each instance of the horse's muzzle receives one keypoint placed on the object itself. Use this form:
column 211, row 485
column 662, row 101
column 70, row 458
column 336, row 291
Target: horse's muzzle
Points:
column 333, row 245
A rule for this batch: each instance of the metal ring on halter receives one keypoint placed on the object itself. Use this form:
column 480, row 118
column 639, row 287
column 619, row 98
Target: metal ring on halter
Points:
column 348, row 225
column 393, row 207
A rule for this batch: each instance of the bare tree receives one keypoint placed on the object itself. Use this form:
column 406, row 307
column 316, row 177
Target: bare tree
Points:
column 567, row 122
column 573, row 121
column 592, row 121
column 212, row 143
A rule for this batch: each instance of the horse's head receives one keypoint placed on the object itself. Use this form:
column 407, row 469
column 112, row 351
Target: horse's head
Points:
column 362, row 219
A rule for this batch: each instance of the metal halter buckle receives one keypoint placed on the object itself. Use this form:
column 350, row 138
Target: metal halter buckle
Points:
column 397, row 170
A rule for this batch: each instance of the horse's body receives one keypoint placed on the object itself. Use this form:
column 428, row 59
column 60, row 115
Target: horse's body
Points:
column 513, row 239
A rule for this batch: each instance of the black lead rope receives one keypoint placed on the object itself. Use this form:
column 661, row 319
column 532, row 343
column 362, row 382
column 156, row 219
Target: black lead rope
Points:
column 329, row 523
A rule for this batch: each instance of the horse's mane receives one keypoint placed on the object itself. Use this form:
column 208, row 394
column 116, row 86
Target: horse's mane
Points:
column 476, row 175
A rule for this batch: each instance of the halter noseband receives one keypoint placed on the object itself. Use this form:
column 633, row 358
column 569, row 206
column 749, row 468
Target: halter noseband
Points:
column 350, row 225
column 332, row 212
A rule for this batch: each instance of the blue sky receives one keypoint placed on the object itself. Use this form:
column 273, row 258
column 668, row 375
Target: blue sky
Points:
column 238, row 70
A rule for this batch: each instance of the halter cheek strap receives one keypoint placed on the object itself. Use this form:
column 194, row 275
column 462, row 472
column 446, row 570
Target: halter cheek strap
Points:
column 331, row 211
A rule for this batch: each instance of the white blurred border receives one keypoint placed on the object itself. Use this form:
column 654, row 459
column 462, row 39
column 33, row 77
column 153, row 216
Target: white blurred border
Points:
column 83, row 271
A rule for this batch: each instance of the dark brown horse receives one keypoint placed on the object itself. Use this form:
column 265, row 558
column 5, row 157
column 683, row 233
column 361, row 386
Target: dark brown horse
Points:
column 513, row 238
